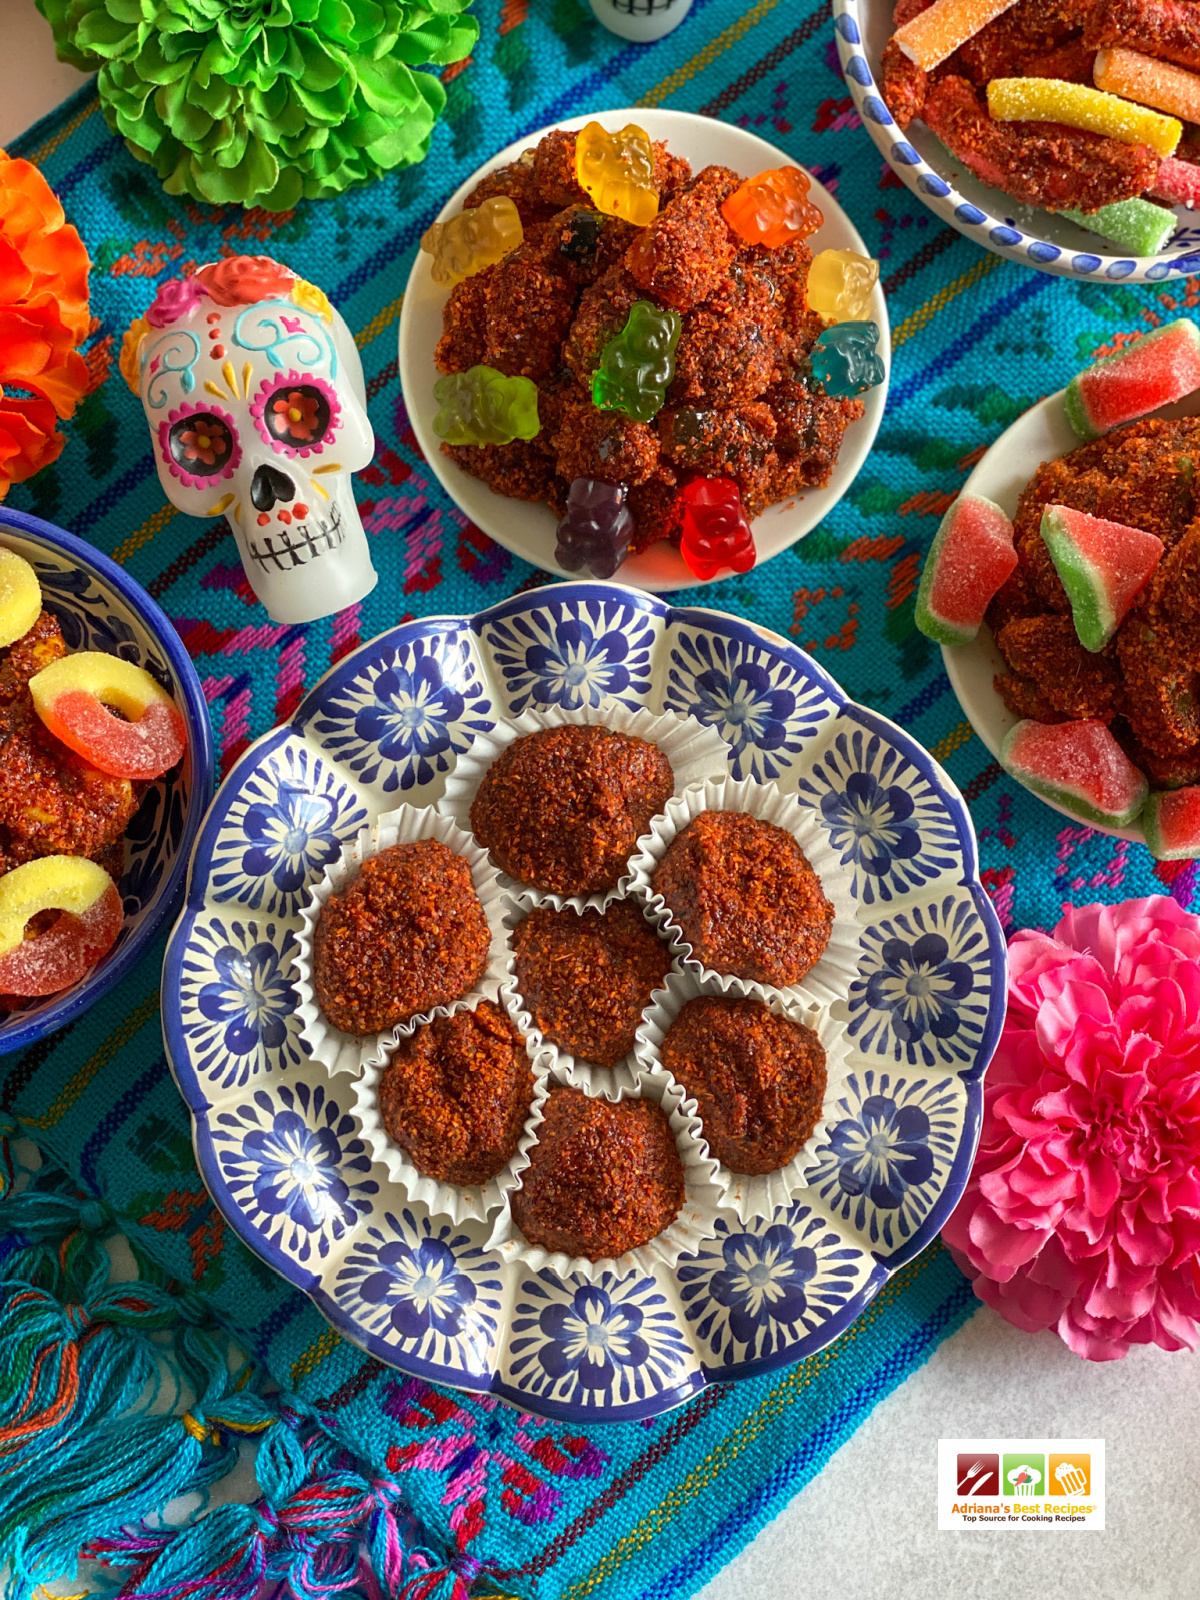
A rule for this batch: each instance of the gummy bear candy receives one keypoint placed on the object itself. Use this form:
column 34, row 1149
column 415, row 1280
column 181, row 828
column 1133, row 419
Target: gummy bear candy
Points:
column 844, row 361
column 840, row 284
column 773, row 208
column 715, row 531
column 637, row 365
column 617, row 171
column 59, row 956
column 72, row 696
column 473, row 240
column 482, row 406
column 20, row 597
column 597, row 528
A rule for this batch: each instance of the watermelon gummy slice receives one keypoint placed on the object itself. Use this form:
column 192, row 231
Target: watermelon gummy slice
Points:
column 1161, row 367
column 1172, row 824
column 971, row 557
column 1078, row 765
column 1103, row 567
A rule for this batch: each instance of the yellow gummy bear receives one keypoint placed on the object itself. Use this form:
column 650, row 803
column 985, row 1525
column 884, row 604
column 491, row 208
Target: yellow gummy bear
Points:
column 52, row 883
column 114, row 682
column 473, row 240
column 617, row 172
column 1077, row 106
column 840, row 284
column 20, row 596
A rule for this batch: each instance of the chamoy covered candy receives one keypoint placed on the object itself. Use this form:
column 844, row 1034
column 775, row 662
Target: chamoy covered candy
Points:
column 482, row 406
column 1172, row 824
column 597, row 528
column 1177, row 183
column 20, row 597
column 72, row 696
column 972, row 555
column 637, row 365
column 839, row 285
column 845, row 361
column 1080, row 766
column 937, row 32
column 1160, row 367
column 773, row 209
column 1103, row 566
column 1077, row 106
column 59, row 955
column 715, row 531
column 617, row 171
column 472, row 240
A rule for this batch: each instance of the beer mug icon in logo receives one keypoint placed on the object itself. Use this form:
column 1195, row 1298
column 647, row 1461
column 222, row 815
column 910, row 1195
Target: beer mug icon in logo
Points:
column 1071, row 1474
column 1024, row 1480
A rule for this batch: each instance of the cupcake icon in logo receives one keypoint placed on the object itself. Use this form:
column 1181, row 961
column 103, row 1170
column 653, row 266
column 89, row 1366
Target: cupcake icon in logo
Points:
column 1023, row 1475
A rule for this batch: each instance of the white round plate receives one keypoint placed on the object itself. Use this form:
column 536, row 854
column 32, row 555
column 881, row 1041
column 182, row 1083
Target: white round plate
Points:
column 529, row 530
column 992, row 218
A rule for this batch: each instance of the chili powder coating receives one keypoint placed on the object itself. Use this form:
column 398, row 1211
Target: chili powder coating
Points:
column 603, row 1178
column 745, row 898
column 758, row 1079
column 562, row 809
column 407, row 934
column 587, row 979
column 456, row 1095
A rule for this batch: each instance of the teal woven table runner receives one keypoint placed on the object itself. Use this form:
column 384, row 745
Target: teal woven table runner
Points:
column 510, row 1503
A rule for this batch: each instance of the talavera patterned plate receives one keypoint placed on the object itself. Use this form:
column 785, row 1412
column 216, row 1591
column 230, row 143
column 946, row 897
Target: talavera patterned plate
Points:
column 275, row 1135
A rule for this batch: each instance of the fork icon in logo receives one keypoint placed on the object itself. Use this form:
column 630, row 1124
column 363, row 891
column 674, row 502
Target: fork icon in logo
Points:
column 978, row 1474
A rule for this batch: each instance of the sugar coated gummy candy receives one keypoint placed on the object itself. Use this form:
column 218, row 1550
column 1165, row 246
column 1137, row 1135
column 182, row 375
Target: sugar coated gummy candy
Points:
column 597, row 528
column 844, row 359
column 482, row 406
column 1136, row 225
column 937, row 32
column 1172, row 824
column 72, row 697
column 637, row 365
column 1078, row 106
column 59, row 956
column 840, row 283
column 473, row 240
column 1160, row 367
column 1078, row 765
column 715, row 531
column 1103, row 567
column 20, row 597
column 1178, row 183
column 617, row 171
column 972, row 555
column 1151, row 83
column 773, row 209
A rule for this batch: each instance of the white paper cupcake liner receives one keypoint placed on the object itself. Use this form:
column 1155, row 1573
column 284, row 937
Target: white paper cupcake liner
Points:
column 703, row 1196
column 830, row 979
column 759, row 1195
column 568, row 1068
column 459, row 1202
column 695, row 752
column 346, row 1052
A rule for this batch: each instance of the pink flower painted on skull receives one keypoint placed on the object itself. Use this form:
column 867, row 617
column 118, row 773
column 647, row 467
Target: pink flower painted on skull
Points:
column 175, row 298
column 1082, row 1212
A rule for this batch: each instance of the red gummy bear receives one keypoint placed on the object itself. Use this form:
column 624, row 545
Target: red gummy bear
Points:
column 773, row 209
column 715, row 531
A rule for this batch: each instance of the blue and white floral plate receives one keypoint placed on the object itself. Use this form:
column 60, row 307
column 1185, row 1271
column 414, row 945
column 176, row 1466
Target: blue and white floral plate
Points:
column 276, row 1137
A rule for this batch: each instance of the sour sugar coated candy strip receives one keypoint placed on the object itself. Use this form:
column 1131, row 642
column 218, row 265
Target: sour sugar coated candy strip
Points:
column 1103, row 567
column 60, row 956
column 1149, row 82
column 972, row 555
column 1172, row 824
column 937, row 32
column 1078, row 765
column 1177, row 183
column 72, row 697
column 1134, row 225
column 1077, row 106
column 20, row 597
column 1162, row 366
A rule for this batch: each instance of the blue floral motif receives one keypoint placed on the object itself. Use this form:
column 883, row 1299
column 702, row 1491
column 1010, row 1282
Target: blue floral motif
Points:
column 290, row 1161
column 250, row 998
column 574, row 656
column 761, row 705
column 237, row 1003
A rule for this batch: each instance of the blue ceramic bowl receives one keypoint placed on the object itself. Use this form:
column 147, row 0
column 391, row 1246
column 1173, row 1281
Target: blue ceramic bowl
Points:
column 100, row 607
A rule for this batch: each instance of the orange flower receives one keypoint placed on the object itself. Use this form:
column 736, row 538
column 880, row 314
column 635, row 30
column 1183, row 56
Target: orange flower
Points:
column 295, row 416
column 43, row 317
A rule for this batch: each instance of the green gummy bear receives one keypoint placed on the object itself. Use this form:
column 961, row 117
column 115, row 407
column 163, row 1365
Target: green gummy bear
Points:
column 482, row 406
column 637, row 365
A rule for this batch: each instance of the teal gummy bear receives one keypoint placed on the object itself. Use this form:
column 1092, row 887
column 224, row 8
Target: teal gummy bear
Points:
column 482, row 406
column 844, row 361
column 638, row 364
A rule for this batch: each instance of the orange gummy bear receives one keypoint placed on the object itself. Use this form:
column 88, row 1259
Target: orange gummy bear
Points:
column 773, row 209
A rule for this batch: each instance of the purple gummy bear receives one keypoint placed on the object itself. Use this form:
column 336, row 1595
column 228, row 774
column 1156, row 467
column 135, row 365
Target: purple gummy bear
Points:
column 597, row 528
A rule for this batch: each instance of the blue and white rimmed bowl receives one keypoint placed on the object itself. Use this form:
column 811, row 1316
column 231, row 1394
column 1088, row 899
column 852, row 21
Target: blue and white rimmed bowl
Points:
column 276, row 1134
column 100, row 607
column 993, row 219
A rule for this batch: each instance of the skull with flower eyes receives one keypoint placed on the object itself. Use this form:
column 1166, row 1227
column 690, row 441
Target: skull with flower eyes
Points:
column 253, row 389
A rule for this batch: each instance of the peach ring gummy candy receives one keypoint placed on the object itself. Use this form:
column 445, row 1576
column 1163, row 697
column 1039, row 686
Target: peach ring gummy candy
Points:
column 59, row 955
column 72, row 697
column 20, row 597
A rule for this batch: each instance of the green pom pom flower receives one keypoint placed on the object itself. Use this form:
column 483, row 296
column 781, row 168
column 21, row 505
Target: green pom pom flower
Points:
column 265, row 102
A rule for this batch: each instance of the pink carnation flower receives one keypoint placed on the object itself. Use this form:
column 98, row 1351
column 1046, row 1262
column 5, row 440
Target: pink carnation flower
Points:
column 1082, row 1212
column 175, row 298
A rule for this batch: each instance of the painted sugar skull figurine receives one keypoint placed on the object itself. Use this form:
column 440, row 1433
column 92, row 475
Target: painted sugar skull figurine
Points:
column 253, row 390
